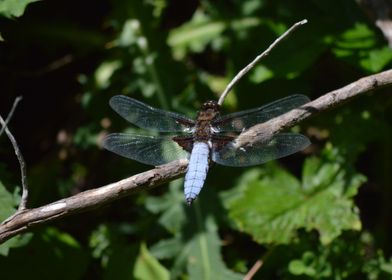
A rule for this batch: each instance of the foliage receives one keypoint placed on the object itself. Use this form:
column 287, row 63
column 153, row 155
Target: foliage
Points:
column 272, row 205
column 9, row 8
column 320, row 214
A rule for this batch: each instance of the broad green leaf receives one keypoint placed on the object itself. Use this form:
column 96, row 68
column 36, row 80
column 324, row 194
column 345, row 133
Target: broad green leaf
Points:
column 147, row 267
column 204, row 260
column 271, row 206
column 14, row 8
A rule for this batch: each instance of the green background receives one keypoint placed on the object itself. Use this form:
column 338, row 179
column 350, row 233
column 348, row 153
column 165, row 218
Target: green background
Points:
column 323, row 213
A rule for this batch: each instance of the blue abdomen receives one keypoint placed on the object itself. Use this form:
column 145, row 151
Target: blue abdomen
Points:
column 197, row 171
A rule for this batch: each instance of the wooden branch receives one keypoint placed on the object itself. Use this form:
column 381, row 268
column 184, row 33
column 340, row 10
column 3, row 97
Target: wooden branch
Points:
column 95, row 198
column 87, row 200
column 263, row 131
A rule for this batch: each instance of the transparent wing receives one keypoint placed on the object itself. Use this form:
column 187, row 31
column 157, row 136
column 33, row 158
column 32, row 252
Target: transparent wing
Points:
column 280, row 145
column 151, row 150
column 147, row 117
column 244, row 119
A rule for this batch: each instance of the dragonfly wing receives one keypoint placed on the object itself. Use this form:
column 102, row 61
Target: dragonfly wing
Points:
column 280, row 145
column 148, row 117
column 151, row 150
column 244, row 119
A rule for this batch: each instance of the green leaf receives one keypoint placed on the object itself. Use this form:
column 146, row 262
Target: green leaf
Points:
column 15, row 242
column 196, row 245
column 14, row 8
column 7, row 203
column 375, row 60
column 105, row 71
column 260, row 74
column 147, row 267
column 273, row 205
column 167, row 248
column 204, row 260
column 171, row 206
column 59, row 251
column 116, row 255
column 358, row 46
column 195, row 35
column 360, row 36
column 346, row 257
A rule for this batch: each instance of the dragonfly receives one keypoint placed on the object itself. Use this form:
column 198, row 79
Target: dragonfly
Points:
column 210, row 138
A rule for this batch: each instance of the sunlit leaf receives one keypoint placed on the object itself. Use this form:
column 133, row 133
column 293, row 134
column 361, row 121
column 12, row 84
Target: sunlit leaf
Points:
column 195, row 35
column 375, row 60
column 204, row 260
column 105, row 71
column 12, row 8
column 147, row 267
column 7, row 203
column 273, row 205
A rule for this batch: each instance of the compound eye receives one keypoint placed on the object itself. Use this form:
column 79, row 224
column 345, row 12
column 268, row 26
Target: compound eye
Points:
column 211, row 104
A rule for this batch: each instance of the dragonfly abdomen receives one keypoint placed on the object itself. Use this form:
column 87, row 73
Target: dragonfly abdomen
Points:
column 197, row 171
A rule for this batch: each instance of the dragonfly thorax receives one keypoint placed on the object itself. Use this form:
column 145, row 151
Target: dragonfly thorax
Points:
column 203, row 129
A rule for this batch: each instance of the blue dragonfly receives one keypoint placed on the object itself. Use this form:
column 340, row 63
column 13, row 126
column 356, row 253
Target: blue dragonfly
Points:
column 209, row 138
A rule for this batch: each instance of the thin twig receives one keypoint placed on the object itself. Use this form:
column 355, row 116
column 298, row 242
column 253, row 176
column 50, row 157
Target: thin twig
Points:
column 22, row 164
column 253, row 270
column 257, row 59
column 10, row 114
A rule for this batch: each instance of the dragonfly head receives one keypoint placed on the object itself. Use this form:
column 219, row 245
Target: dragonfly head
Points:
column 209, row 111
column 211, row 104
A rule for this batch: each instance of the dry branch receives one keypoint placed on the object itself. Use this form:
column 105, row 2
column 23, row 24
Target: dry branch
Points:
column 87, row 200
column 94, row 198
column 331, row 99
